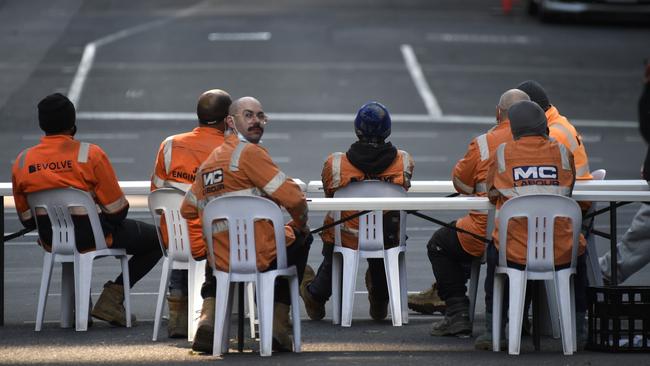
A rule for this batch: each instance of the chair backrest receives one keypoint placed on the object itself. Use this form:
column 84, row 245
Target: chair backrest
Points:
column 540, row 210
column 59, row 203
column 599, row 174
column 371, row 225
column 166, row 203
column 241, row 212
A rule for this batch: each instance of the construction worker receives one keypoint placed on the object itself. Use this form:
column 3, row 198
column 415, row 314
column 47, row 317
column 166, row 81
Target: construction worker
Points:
column 369, row 158
column 60, row 161
column 451, row 252
column 176, row 164
column 560, row 128
column 533, row 148
column 245, row 168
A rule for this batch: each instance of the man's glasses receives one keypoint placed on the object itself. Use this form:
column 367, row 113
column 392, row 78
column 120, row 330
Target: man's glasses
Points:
column 250, row 115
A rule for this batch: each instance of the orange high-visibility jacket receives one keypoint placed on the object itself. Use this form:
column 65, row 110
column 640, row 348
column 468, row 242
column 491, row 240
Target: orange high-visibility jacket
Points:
column 532, row 165
column 563, row 131
column 469, row 176
column 338, row 172
column 241, row 168
column 178, row 159
column 59, row 161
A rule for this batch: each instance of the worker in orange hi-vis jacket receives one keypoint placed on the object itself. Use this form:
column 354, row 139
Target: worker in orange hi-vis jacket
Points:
column 508, row 177
column 60, row 161
column 369, row 158
column 178, row 159
column 242, row 167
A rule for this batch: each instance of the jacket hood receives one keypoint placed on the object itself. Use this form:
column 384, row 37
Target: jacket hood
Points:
column 370, row 158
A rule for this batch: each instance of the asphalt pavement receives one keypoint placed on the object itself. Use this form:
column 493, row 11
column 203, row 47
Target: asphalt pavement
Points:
column 135, row 70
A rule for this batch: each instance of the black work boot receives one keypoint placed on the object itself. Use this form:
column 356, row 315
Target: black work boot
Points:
column 456, row 321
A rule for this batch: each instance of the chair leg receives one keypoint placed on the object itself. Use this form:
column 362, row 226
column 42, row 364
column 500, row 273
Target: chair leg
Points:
column 195, row 277
column 403, row 286
column 391, row 267
column 563, row 290
column 83, row 275
column 552, row 308
column 516, row 310
column 250, row 302
column 295, row 312
column 497, row 306
column 350, row 267
column 48, row 261
column 220, row 312
column 162, row 290
column 473, row 287
column 337, row 268
column 124, row 260
column 265, row 293
column 67, row 295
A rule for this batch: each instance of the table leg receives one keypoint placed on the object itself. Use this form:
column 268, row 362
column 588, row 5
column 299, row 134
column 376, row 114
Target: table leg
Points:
column 2, row 261
column 612, row 244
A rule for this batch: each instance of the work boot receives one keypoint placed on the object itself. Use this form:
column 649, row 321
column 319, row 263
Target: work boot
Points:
column 281, row 328
column 110, row 306
column 484, row 341
column 378, row 307
column 456, row 321
column 427, row 301
column 315, row 309
column 177, row 324
column 205, row 330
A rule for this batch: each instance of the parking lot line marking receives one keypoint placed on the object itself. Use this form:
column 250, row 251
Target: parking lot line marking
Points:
column 251, row 36
column 430, row 159
column 333, row 117
column 478, row 38
column 88, row 57
column 92, row 136
column 413, row 66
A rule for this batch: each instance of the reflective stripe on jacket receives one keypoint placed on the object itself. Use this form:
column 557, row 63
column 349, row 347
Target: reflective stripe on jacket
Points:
column 60, row 161
column 469, row 176
column 532, row 165
column 563, row 131
column 242, row 168
column 338, row 172
column 178, row 159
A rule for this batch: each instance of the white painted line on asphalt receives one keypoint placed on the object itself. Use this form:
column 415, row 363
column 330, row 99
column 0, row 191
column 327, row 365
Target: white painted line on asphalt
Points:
column 478, row 38
column 276, row 136
column 333, row 117
column 398, row 134
column 88, row 57
column 122, row 160
column 430, row 159
column 413, row 66
column 591, row 138
column 596, row 159
column 251, row 36
column 281, row 159
column 633, row 138
column 93, row 136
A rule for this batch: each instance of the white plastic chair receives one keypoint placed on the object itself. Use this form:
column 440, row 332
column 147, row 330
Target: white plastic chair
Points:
column 371, row 245
column 241, row 212
column 166, row 202
column 540, row 211
column 77, row 267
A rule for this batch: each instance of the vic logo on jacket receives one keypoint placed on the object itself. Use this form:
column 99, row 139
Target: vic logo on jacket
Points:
column 534, row 172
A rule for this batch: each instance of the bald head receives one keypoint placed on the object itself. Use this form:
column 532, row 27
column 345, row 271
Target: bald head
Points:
column 240, row 103
column 507, row 99
column 213, row 107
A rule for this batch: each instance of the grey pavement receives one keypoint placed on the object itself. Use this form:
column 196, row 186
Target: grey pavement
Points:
column 314, row 65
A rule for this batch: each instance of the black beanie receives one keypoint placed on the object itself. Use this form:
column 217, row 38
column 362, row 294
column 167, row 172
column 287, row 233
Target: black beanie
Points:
column 527, row 119
column 56, row 113
column 536, row 93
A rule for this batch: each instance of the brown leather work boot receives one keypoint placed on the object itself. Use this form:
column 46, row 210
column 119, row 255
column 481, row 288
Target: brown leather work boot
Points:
column 427, row 301
column 177, row 324
column 315, row 309
column 110, row 305
column 281, row 328
column 205, row 330
column 378, row 309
